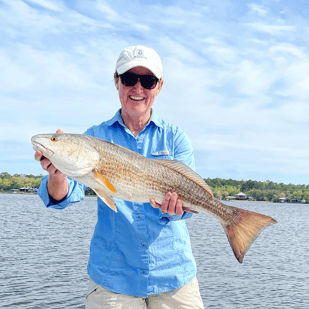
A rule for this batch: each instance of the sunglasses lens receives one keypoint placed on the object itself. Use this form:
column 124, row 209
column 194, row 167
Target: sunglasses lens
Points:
column 128, row 79
column 147, row 81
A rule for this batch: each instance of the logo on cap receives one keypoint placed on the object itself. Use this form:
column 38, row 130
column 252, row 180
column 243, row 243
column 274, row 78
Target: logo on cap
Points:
column 139, row 54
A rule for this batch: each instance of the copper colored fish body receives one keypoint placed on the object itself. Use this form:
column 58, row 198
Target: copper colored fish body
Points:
column 112, row 170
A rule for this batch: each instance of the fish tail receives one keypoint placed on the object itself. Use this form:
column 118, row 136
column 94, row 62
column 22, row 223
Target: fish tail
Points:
column 244, row 230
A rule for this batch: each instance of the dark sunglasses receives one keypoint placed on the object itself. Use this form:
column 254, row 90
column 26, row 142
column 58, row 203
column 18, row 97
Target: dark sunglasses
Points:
column 130, row 79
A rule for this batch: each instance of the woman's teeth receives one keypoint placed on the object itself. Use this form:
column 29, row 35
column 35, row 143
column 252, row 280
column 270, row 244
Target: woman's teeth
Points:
column 136, row 98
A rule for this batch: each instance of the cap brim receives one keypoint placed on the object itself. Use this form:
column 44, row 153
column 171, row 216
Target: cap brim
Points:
column 140, row 63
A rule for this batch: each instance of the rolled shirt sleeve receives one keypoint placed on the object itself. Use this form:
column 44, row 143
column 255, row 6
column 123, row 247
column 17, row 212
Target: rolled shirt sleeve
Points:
column 76, row 193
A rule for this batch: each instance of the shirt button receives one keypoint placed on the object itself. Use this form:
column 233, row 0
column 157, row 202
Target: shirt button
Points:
column 145, row 272
column 143, row 244
column 139, row 216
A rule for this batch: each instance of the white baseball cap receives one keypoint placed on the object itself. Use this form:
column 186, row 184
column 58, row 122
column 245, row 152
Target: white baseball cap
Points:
column 139, row 56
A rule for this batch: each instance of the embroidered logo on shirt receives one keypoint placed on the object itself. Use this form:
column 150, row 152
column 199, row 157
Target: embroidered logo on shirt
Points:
column 161, row 153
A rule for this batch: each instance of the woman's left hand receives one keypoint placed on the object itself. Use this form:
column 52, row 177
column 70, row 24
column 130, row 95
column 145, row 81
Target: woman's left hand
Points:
column 171, row 204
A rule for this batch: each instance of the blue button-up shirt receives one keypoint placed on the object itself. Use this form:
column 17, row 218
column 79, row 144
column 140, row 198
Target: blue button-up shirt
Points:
column 138, row 251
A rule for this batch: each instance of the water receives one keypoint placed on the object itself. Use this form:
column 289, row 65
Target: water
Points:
column 44, row 255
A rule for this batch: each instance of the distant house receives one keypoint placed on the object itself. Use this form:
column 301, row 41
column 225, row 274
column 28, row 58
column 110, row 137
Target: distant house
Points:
column 230, row 197
column 241, row 196
column 28, row 189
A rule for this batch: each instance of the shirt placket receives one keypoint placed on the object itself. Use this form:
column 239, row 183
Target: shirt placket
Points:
column 142, row 229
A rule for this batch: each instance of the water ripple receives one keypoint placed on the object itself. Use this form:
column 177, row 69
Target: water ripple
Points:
column 44, row 255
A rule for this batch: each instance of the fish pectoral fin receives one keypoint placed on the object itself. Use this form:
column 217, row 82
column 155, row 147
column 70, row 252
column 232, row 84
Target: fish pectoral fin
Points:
column 105, row 182
column 187, row 172
column 106, row 199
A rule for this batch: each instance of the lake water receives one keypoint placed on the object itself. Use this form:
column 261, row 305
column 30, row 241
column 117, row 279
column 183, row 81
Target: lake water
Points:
column 44, row 255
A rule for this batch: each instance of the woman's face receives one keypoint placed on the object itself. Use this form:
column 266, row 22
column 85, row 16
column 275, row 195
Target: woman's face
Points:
column 137, row 101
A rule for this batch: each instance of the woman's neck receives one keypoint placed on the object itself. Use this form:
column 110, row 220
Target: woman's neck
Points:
column 135, row 123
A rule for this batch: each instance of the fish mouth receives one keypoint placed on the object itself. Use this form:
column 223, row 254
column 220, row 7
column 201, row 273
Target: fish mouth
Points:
column 38, row 146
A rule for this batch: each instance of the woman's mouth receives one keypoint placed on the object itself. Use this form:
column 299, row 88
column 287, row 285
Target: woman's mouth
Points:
column 132, row 97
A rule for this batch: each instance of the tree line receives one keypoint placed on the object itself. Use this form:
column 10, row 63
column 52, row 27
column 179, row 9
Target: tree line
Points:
column 17, row 181
column 258, row 190
column 9, row 182
column 222, row 188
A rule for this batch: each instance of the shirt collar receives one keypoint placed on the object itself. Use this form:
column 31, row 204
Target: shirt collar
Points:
column 117, row 118
column 155, row 119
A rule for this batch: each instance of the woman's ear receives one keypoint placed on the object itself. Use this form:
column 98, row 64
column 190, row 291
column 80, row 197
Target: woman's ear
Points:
column 116, row 81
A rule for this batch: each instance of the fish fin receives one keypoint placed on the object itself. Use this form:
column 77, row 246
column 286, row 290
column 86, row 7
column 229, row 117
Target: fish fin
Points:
column 106, row 199
column 244, row 230
column 187, row 209
column 186, row 171
column 105, row 182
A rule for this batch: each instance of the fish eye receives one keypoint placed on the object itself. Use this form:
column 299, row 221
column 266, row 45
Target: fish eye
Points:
column 54, row 139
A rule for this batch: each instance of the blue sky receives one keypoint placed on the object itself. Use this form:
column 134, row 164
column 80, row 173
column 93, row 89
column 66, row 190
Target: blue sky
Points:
column 236, row 77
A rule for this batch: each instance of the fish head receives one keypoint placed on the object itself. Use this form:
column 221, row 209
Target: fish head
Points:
column 72, row 154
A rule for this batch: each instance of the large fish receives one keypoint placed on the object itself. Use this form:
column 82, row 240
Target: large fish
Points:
column 112, row 170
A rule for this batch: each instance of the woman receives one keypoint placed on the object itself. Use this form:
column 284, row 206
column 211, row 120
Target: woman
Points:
column 142, row 254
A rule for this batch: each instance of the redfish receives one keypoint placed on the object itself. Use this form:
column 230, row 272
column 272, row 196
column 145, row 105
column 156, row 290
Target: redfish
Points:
column 112, row 170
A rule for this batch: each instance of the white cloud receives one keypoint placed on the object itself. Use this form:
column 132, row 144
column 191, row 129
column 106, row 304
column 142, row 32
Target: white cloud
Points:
column 36, row 70
column 108, row 12
column 288, row 48
column 240, row 95
column 48, row 5
column 257, row 9
column 251, row 78
column 125, row 17
column 271, row 29
column 306, row 84
column 211, row 41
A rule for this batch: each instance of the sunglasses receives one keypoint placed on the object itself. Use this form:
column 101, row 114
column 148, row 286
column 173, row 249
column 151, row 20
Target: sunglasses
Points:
column 130, row 79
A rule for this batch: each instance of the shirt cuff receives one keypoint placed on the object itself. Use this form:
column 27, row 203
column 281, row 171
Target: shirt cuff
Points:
column 166, row 218
column 75, row 194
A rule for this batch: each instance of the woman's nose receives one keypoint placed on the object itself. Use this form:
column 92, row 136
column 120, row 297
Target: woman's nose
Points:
column 138, row 85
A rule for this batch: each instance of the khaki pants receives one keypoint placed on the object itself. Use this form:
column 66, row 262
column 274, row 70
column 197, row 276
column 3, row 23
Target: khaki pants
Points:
column 186, row 297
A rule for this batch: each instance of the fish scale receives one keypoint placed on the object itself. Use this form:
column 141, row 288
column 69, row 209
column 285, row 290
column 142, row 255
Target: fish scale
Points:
column 114, row 171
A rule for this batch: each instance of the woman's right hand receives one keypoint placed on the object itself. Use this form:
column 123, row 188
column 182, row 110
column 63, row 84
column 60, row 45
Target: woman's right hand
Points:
column 46, row 164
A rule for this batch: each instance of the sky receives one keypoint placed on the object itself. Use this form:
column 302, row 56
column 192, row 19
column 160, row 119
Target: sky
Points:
column 236, row 77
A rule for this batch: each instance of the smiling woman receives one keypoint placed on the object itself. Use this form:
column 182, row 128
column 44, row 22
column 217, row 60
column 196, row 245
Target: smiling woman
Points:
column 136, row 80
column 143, row 252
column 136, row 100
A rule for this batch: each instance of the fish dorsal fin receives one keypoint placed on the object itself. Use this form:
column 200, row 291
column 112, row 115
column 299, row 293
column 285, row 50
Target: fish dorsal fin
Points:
column 187, row 172
column 106, row 199
column 105, row 182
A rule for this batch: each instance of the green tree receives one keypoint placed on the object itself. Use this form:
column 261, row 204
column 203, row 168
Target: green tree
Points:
column 5, row 175
column 36, row 182
column 269, row 195
column 6, row 184
column 247, row 186
column 306, row 196
column 297, row 194
column 16, row 182
column 216, row 195
column 89, row 191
